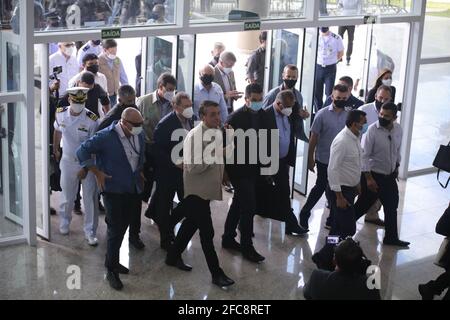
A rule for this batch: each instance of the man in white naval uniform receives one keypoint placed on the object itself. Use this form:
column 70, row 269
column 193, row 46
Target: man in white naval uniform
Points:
column 74, row 125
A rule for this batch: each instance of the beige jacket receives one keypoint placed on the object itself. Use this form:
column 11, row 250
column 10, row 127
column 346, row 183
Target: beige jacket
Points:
column 200, row 178
column 112, row 76
column 219, row 80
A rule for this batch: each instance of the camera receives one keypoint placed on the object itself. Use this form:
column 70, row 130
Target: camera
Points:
column 56, row 70
column 333, row 240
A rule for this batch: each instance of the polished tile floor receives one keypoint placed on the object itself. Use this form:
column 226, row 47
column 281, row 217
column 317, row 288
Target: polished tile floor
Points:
column 42, row 272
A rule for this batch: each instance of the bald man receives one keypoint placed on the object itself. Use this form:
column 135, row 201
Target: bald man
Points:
column 207, row 89
column 117, row 166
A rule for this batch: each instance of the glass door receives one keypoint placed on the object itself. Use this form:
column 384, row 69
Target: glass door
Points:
column 11, row 141
column 161, row 57
column 306, row 86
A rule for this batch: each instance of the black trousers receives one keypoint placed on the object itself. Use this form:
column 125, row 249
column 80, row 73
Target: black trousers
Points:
column 343, row 224
column 317, row 191
column 441, row 283
column 242, row 211
column 351, row 36
column 198, row 216
column 325, row 76
column 119, row 211
column 163, row 204
column 281, row 180
column 389, row 198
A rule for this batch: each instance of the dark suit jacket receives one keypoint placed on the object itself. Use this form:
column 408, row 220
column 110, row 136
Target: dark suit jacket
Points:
column 218, row 79
column 244, row 119
column 326, row 285
column 165, row 168
column 271, row 123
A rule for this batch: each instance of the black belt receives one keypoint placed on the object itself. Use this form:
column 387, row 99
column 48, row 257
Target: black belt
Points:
column 326, row 66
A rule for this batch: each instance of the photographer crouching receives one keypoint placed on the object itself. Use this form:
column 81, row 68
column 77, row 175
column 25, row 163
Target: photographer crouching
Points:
column 347, row 282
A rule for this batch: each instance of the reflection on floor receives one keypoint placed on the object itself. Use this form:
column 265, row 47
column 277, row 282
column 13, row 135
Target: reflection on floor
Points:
column 41, row 272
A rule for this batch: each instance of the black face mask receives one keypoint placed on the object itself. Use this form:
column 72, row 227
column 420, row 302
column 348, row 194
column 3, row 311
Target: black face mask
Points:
column 155, row 16
column 384, row 122
column 290, row 83
column 341, row 104
column 378, row 105
column 54, row 24
column 207, row 79
column 93, row 68
column 96, row 42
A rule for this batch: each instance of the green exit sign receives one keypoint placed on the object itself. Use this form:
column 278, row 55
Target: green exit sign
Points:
column 111, row 33
column 255, row 25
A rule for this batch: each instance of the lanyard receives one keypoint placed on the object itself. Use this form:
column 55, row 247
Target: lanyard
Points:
column 132, row 144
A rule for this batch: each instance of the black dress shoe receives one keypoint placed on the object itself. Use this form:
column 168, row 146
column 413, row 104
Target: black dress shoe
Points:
column 179, row 264
column 251, row 255
column 377, row 222
column 77, row 211
column 114, row 280
column 295, row 230
column 122, row 269
column 426, row 291
column 398, row 243
column 231, row 244
column 136, row 243
column 222, row 280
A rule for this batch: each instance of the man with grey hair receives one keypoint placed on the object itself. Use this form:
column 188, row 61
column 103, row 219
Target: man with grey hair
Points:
column 169, row 171
column 219, row 47
column 280, row 116
column 224, row 77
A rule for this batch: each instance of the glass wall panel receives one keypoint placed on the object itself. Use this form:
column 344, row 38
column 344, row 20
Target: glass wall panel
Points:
column 9, row 53
column 11, row 213
column 432, row 115
column 207, row 11
column 437, row 19
column 53, row 15
column 364, row 7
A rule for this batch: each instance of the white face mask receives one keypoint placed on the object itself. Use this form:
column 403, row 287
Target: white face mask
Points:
column 188, row 113
column 68, row 51
column 227, row 70
column 387, row 82
column 77, row 107
column 168, row 95
column 111, row 56
column 135, row 131
column 287, row 111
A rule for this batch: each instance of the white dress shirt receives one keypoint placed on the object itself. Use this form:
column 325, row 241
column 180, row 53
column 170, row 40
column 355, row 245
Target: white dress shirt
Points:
column 371, row 112
column 131, row 147
column 344, row 168
column 99, row 79
column 381, row 149
column 69, row 69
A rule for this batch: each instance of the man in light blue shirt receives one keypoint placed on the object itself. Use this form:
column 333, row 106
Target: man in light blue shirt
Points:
column 209, row 90
column 328, row 122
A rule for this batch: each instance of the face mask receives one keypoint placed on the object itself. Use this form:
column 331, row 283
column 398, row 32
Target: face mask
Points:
column 155, row 16
column 340, row 103
column 54, row 24
column 227, row 70
column 68, row 51
column 290, row 83
column 387, row 82
column 364, row 128
column 207, row 79
column 188, row 113
column 168, row 95
column 384, row 122
column 93, row 68
column 256, row 105
column 96, row 42
column 378, row 105
column 111, row 56
column 77, row 107
column 287, row 111
column 135, row 131
column 324, row 29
